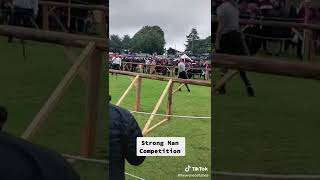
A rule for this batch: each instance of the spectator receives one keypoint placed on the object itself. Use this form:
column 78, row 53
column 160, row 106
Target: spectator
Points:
column 116, row 62
column 22, row 160
column 123, row 132
column 24, row 13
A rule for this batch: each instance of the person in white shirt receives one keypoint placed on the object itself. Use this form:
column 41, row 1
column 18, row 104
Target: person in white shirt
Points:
column 147, row 68
column 182, row 72
column 116, row 63
column 24, row 11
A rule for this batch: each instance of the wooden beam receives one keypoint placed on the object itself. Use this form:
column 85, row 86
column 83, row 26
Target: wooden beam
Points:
column 138, row 94
column 146, row 127
column 268, row 66
column 62, row 38
column 224, row 79
column 163, row 78
column 83, row 72
column 75, row 6
column 58, row 93
column 275, row 23
column 176, row 90
column 127, row 91
column 156, row 125
column 54, row 15
column 92, row 107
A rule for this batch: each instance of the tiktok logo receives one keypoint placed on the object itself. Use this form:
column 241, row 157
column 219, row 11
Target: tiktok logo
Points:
column 187, row 169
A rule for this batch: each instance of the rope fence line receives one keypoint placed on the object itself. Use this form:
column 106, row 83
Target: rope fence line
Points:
column 177, row 116
column 90, row 160
column 266, row 176
column 137, row 177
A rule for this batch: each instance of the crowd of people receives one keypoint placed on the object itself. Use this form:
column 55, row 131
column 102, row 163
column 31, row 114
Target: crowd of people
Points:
column 277, row 9
column 158, row 64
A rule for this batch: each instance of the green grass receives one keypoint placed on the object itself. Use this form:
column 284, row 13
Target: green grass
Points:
column 276, row 132
column 197, row 132
column 26, row 85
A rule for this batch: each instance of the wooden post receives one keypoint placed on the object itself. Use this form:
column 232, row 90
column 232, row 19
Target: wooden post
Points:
column 92, row 107
column 45, row 17
column 169, row 105
column 69, row 15
column 138, row 94
column 58, row 93
column 95, row 93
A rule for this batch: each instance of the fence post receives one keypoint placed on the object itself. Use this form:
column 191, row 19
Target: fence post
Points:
column 45, row 17
column 169, row 105
column 138, row 94
column 95, row 94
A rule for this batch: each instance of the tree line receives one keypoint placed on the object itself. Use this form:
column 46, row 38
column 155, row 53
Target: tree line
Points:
column 150, row 39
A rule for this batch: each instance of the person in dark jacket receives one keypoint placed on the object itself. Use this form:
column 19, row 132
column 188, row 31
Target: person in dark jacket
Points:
column 22, row 160
column 123, row 132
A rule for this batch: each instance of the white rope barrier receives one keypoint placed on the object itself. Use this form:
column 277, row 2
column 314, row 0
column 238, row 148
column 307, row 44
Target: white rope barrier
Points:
column 137, row 177
column 98, row 161
column 266, row 176
column 177, row 116
column 267, row 38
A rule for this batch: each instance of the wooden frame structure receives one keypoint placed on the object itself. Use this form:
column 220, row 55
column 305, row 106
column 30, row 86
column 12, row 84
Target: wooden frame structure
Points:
column 49, row 6
column 136, row 82
column 88, row 65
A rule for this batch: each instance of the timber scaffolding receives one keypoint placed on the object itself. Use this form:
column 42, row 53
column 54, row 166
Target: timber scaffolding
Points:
column 308, row 29
column 88, row 65
column 136, row 82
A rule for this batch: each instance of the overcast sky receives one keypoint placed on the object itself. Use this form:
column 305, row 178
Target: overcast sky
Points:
column 175, row 17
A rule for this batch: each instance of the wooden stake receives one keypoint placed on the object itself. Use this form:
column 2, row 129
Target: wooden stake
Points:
column 145, row 129
column 83, row 72
column 54, row 15
column 169, row 104
column 58, row 93
column 224, row 80
column 176, row 90
column 93, row 102
column 127, row 90
column 69, row 15
column 45, row 18
column 153, row 127
column 138, row 94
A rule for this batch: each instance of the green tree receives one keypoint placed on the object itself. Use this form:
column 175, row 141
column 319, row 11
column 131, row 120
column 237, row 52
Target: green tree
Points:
column 115, row 43
column 202, row 46
column 149, row 39
column 126, row 42
column 192, row 39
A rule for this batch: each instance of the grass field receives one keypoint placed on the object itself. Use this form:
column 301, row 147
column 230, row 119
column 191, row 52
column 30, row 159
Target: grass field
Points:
column 276, row 132
column 197, row 132
column 25, row 86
